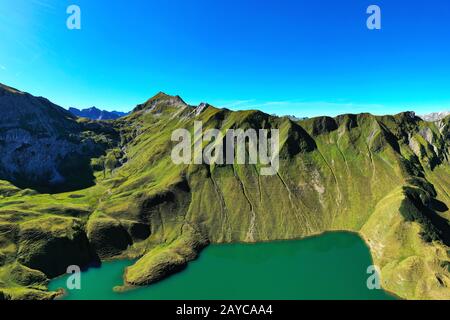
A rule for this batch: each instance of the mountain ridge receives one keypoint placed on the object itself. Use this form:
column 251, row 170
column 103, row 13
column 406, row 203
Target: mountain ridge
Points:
column 435, row 116
column 94, row 113
column 384, row 177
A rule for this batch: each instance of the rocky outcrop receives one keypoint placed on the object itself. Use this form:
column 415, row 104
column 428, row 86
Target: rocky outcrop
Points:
column 435, row 116
column 108, row 237
column 166, row 259
column 51, row 244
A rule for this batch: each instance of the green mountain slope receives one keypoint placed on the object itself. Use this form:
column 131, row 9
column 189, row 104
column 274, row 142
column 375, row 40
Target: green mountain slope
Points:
column 387, row 178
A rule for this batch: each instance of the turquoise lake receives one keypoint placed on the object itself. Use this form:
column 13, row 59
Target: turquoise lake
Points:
column 329, row 266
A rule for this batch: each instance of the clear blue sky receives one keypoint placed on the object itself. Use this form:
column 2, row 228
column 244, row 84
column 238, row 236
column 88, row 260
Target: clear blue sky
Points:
column 300, row 57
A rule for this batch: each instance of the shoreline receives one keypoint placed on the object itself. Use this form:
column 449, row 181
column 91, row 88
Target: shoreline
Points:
column 125, row 288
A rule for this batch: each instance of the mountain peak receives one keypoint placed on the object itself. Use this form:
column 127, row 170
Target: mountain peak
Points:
column 161, row 96
column 161, row 100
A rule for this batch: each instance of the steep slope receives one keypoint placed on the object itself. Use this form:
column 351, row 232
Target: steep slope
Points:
column 43, row 146
column 386, row 178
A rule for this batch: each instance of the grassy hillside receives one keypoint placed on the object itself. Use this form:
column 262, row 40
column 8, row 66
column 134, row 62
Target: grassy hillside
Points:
column 387, row 178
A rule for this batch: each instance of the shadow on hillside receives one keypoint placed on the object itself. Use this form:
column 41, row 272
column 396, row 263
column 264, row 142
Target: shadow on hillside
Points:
column 76, row 172
column 439, row 222
column 427, row 213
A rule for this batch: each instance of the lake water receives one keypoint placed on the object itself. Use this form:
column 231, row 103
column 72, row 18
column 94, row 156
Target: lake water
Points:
column 329, row 266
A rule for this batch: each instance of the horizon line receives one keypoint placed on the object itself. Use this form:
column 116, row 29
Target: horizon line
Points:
column 254, row 104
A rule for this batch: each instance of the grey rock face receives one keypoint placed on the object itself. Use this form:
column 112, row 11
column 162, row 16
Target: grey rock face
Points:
column 435, row 116
column 42, row 145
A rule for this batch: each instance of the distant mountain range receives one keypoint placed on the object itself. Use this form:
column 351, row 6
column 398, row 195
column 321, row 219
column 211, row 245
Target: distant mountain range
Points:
column 97, row 114
column 435, row 116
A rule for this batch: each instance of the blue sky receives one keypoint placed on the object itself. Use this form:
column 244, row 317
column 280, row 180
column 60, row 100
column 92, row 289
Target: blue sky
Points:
column 299, row 57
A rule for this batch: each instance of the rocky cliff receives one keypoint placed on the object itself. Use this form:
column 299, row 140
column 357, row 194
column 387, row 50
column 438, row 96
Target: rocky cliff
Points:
column 43, row 146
